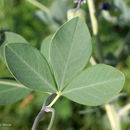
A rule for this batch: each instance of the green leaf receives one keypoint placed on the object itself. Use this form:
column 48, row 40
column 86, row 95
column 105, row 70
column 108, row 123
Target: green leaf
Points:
column 44, row 16
column 59, row 9
column 10, row 37
column 45, row 47
column 47, row 18
column 29, row 67
column 95, row 85
column 70, row 51
column 11, row 91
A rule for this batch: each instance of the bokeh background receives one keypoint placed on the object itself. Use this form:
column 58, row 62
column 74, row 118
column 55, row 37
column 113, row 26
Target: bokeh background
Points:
column 22, row 17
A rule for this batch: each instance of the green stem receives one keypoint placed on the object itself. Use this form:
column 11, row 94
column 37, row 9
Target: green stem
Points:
column 37, row 119
column 93, row 17
column 52, row 119
column 47, row 101
column 99, row 48
column 39, row 5
column 123, row 110
column 113, row 117
column 79, row 4
column 41, row 114
column 94, row 22
column 8, row 82
column 46, row 108
column 55, row 99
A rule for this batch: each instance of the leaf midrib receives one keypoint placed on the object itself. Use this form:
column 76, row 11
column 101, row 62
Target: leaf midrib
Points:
column 11, row 84
column 66, row 65
column 49, row 85
column 91, row 85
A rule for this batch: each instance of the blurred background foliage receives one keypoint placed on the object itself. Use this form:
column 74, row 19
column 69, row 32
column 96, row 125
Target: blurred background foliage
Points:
column 33, row 24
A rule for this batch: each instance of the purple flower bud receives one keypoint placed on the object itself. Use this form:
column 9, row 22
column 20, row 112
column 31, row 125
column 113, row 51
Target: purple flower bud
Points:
column 80, row 1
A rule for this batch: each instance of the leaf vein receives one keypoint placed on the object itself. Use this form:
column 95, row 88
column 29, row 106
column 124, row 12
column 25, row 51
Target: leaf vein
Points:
column 32, row 69
column 66, row 64
column 91, row 85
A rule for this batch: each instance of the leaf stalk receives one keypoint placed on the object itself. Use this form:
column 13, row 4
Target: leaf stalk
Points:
column 55, row 99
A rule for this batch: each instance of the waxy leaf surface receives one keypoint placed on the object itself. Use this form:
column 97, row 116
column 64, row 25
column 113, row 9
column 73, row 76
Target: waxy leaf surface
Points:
column 70, row 51
column 95, row 85
column 45, row 47
column 29, row 67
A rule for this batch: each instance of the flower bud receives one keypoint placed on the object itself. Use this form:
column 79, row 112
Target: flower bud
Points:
column 77, row 12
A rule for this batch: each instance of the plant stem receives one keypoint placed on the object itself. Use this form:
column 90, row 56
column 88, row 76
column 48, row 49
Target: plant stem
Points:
column 79, row 4
column 49, row 98
column 113, row 117
column 99, row 48
column 37, row 119
column 55, row 99
column 39, row 5
column 52, row 119
column 94, row 22
column 46, row 108
column 8, row 82
column 93, row 17
column 40, row 115
column 92, row 61
column 122, row 111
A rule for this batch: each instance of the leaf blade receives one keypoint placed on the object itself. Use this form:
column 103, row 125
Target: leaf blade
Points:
column 45, row 47
column 70, row 51
column 95, row 85
column 29, row 67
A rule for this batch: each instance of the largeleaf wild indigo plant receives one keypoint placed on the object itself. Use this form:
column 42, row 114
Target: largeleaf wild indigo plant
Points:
column 59, row 68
